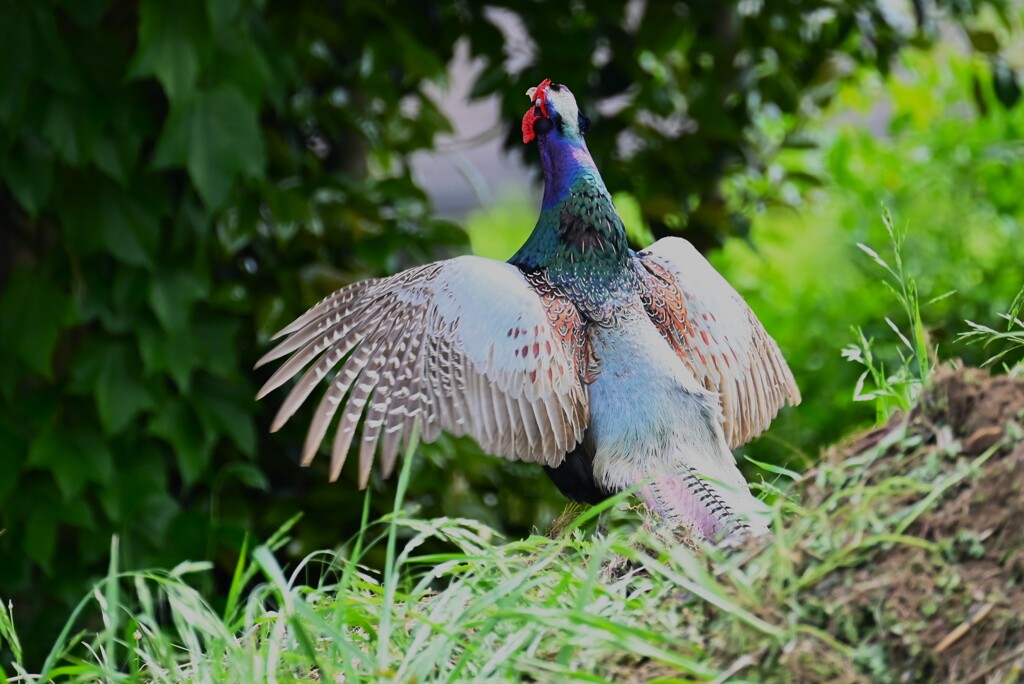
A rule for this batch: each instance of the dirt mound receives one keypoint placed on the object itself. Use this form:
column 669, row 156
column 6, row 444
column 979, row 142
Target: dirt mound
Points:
column 950, row 608
column 902, row 559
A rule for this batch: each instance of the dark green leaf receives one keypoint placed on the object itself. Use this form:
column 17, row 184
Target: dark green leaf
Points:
column 33, row 311
column 62, row 128
column 73, row 457
column 136, row 479
column 18, row 45
column 983, row 41
column 1006, row 84
column 218, row 337
column 78, row 513
column 221, row 13
column 217, row 138
column 129, row 229
column 87, row 12
column 60, row 70
column 246, row 473
column 114, row 158
column 178, row 355
column 172, row 294
column 488, row 82
column 154, row 515
column 41, row 535
column 246, row 67
column 13, row 453
column 111, row 370
column 28, row 172
column 176, row 425
column 168, row 34
column 98, row 215
column 227, row 416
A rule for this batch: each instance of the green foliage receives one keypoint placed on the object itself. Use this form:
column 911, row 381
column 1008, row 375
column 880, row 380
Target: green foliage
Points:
column 168, row 173
column 1011, row 340
column 950, row 174
column 178, row 180
column 685, row 95
column 897, row 389
column 500, row 229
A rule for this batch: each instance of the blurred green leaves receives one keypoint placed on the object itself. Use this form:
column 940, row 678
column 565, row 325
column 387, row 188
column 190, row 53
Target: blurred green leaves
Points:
column 217, row 138
column 948, row 172
column 75, row 459
column 33, row 312
column 168, row 174
column 113, row 374
column 685, row 95
column 170, row 36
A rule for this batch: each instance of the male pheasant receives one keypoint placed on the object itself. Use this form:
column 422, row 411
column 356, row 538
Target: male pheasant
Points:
column 610, row 367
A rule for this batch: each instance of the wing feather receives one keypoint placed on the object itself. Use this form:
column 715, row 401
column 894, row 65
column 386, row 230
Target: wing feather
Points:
column 467, row 346
column 332, row 400
column 335, row 303
column 717, row 335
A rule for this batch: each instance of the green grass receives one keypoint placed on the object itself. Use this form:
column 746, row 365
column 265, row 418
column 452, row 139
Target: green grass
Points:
column 896, row 388
column 577, row 608
column 582, row 607
column 1008, row 344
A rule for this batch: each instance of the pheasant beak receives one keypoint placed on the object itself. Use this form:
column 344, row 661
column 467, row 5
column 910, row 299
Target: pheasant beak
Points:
column 538, row 109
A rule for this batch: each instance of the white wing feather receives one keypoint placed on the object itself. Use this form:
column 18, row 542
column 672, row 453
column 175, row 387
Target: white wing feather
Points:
column 463, row 345
column 725, row 344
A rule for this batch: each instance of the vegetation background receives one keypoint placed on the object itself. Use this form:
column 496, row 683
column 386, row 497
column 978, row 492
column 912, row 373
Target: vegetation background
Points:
column 178, row 180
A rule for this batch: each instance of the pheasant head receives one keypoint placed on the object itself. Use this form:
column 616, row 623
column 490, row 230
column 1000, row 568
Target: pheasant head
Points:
column 578, row 228
column 553, row 111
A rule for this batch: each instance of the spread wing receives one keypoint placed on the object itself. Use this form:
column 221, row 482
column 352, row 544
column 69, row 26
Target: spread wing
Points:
column 713, row 330
column 465, row 345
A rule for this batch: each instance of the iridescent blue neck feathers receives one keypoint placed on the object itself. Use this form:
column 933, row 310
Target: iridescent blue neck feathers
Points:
column 566, row 162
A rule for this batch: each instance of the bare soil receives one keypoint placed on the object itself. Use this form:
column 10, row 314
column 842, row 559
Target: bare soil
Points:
column 956, row 615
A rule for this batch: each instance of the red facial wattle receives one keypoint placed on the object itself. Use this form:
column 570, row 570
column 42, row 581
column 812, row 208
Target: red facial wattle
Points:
column 541, row 97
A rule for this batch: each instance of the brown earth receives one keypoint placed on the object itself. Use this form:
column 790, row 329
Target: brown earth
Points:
column 953, row 612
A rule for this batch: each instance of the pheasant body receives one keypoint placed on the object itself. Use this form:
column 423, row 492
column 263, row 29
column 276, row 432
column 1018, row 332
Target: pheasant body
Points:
column 611, row 368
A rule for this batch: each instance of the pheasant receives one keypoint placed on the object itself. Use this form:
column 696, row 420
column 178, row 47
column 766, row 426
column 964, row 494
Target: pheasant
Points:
column 611, row 368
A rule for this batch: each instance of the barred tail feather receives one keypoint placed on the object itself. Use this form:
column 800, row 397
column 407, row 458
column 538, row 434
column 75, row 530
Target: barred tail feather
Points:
column 712, row 509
